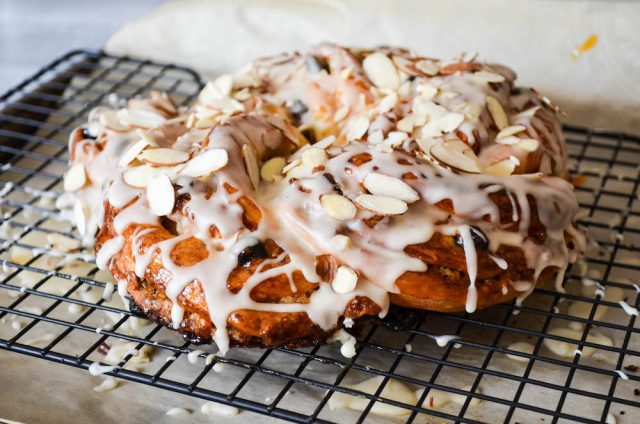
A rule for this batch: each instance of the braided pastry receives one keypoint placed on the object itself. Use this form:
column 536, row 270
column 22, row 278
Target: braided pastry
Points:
column 309, row 190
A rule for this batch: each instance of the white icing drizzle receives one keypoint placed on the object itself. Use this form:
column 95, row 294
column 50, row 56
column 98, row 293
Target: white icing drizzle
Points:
column 622, row 374
column 108, row 250
column 96, row 369
column 629, row 310
column 444, row 340
column 291, row 212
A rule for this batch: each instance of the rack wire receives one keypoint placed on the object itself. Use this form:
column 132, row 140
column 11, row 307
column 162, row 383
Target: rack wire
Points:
column 51, row 304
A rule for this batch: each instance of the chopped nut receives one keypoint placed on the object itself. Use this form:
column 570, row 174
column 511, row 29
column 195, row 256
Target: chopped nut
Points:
column 356, row 128
column 314, row 156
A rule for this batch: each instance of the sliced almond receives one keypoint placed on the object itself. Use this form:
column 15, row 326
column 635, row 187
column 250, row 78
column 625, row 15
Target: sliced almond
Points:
column 75, row 178
column 444, row 125
column 205, row 163
column 341, row 114
column 139, row 176
column 376, row 137
column 456, row 154
column 486, row 76
column 529, row 144
column 109, row 118
column 314, row 157
column 325, row 142
column 60, row 242
column 511, row 130
column 341, row 242
column 381, row 71
column 271, row 170
column 141, row 118
column 294, row 163
column 385, row 185
column 508, row 140
column 345, row 280
column 388, row 103
column 163, row 156
column 501, row 168
column 381, row 205
column 338, row 207
column 251, row 163
column 429, row 67
column 132, row 152
column 406, row 124
column 163, row 102
column 497, row 112
column 161, row 195
column 357, row 128
column 81, row 216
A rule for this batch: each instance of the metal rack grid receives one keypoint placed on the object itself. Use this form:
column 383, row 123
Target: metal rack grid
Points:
column 57, row 321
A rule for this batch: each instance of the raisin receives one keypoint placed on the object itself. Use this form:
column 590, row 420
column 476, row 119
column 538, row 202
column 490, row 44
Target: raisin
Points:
column 248, row 254
column 480, row 240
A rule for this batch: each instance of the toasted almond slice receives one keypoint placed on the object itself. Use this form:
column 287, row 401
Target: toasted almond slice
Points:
column 341, row 114
column 446, row 124
column 139, row 176
column 395, row 138
column 251, row 163
column 388, row 103
column 406, row 124
column 81, row 216
column 224, row 84
column 345, row 280
column 163, row 102
column 162, row 156
column 205, row 163
column 75, row 178
column 529, row 144
column 381, row 205
column 271, row 171
column 66, row 244
column 509, row 140
column 426, row 90
column 339, row 207
column 132, row 152
column 385, row 185
column 497, row 112
column 429, row 67
column 456, row 154
column 294, row 163
column 109, row 118
column 511, row 130
column 325, row 142
column 161, row 195
column 381, row 71
column 300, row 171
column 357, row 127
column 341, row 242
column 140, row 118
column 376, row 137
column 486, row 76
column 314, row 157
column 501, row 168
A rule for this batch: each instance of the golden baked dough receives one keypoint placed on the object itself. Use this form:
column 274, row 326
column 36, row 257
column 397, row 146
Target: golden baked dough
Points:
column 309, row 190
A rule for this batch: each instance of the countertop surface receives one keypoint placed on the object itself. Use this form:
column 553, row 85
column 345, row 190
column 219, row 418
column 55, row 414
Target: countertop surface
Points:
column 34, row 32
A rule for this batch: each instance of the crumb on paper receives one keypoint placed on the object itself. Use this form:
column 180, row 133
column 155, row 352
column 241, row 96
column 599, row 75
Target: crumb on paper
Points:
column 586, row 45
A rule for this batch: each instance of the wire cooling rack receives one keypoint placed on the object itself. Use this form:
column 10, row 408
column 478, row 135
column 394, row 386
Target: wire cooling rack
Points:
column 52, row 306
